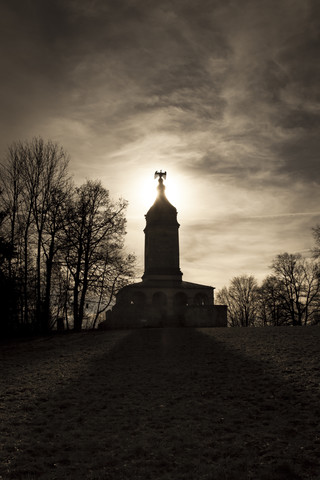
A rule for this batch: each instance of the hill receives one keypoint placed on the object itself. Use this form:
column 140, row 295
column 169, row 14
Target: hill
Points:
column 162, row 404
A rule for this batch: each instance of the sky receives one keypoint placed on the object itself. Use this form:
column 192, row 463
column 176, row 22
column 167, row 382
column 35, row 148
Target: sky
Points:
column 222, row 94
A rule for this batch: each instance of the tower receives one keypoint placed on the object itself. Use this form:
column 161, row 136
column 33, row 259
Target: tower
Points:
column 161, row 253
column 163, row 299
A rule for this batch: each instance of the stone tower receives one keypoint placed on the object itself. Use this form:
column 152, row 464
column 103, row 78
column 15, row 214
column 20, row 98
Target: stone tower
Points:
column 163, row 299
column 161, row 253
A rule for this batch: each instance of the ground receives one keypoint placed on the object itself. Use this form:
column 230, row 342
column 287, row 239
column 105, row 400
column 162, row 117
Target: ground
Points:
column 162, row 404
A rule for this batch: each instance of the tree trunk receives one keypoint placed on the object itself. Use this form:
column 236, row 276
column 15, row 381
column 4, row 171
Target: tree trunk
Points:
column 38, row 284
column 76, row 319
column 83, row 295
column 25, row 280
column 46, row 307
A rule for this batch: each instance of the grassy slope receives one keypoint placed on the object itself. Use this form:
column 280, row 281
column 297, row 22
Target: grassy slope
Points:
column 162, row 404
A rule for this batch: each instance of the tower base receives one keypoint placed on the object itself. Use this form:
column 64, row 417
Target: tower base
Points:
column 165, row 303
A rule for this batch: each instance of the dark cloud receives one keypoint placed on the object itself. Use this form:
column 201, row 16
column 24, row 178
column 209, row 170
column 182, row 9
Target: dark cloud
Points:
column 301, row 154
column 227, row 91
column 300, row 118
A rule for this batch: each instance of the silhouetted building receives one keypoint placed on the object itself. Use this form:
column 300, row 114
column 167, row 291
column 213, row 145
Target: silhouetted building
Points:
column 163, row 298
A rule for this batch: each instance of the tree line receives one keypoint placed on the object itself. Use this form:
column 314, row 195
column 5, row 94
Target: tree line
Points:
column 62, row 257
column 288, row 296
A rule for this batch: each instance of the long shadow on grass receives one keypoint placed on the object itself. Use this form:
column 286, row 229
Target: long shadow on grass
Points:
column 170, row 404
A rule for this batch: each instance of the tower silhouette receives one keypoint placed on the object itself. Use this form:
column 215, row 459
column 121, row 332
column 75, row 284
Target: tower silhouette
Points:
column 161, row 257
column 163, row 299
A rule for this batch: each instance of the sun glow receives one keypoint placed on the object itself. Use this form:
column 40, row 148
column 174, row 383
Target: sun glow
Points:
column 148, row 191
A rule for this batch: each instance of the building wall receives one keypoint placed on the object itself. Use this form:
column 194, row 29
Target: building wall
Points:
column 162, row 251
column 193, row 295
column 166, row 307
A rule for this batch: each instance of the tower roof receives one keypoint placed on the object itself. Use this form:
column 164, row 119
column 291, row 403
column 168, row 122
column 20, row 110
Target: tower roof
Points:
column 162, row 211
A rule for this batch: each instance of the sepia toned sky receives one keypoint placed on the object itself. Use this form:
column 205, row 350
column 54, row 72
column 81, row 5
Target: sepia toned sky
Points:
column 222, row 94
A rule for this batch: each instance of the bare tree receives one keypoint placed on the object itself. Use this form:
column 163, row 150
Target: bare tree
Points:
column 300, row 286
column 223, row 297
column 271, row 303
column 47, row 179
column 31, row 176
column 12, row 195
column 93, row 221
column 52, row 242
column 242, row 300
column 19, row 217
column 62, row 237
column 112, row 273
column 8, row 317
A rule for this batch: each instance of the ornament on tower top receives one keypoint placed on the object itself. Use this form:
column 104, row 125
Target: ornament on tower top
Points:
column 160, row 175
column 160, row 187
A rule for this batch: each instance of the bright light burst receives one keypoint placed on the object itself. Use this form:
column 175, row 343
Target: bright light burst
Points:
column 148, row 190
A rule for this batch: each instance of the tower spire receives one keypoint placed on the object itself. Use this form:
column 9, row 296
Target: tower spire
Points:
column 161, row 187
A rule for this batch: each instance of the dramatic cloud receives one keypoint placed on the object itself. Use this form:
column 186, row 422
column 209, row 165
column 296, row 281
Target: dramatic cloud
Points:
column 224, row 95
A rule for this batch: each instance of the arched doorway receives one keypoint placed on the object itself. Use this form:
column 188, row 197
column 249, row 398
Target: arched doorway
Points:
column 200, row 299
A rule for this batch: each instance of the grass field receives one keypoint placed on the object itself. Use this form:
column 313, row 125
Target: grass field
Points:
column 162, row 404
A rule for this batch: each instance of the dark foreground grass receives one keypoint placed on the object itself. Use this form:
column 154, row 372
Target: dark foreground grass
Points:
column 162, row 404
